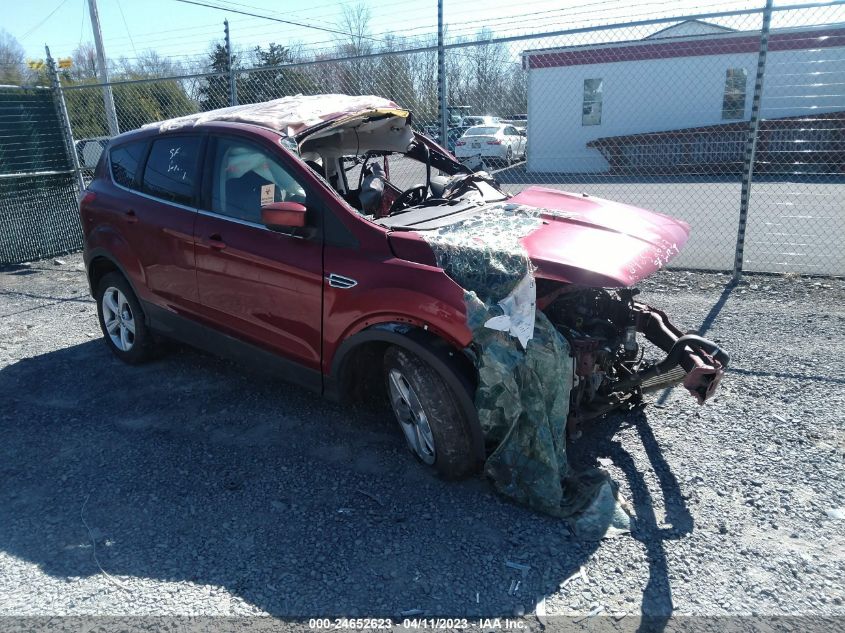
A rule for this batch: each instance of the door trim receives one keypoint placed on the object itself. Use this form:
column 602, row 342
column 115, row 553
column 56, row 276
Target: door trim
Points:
column 213, row 341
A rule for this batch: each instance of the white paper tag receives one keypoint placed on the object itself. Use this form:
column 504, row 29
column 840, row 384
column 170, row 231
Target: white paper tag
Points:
column 268, row 194
column 519, row 312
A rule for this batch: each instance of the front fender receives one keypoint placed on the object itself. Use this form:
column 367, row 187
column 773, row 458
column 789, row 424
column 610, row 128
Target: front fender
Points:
column 444, row 358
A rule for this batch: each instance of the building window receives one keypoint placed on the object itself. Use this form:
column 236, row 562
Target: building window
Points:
column 733, row 105
column 591, row 110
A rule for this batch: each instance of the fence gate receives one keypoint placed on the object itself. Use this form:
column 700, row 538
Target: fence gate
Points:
column 38, row 196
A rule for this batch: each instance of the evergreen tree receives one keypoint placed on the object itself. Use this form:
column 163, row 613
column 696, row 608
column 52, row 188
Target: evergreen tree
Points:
column 214, row 91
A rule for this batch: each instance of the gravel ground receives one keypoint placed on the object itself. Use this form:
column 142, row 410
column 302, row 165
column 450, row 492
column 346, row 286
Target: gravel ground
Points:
column 193, row 486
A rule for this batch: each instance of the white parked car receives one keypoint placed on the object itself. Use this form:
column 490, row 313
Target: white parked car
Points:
column 501, row 144
column 469, row 121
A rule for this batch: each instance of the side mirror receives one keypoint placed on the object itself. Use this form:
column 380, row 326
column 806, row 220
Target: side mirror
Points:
column 280, row 216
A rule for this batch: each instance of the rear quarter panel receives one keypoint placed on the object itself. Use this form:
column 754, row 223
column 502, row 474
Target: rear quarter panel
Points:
column 103, row 237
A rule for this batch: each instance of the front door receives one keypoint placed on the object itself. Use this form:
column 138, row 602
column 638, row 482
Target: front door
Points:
column 256, row 284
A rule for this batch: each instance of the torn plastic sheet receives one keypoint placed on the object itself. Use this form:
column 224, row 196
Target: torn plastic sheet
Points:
column 288, row 115
column 519, row 308
column 525, row 373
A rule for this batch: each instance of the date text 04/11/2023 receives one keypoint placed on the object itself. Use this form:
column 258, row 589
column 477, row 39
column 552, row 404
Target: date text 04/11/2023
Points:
column 415, row 623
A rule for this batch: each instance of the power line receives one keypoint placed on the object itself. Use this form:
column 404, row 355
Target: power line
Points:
column 267, row 17
column 41, row 23
column 126, row 26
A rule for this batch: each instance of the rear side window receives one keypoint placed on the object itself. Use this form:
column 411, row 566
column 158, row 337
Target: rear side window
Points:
column 124, row 162
column 171, row 169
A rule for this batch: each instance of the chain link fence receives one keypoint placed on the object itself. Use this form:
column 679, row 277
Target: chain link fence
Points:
column 38, row 205
column 660, row 113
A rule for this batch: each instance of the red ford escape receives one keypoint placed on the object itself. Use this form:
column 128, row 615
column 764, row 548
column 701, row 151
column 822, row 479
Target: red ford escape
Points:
column 275, row 233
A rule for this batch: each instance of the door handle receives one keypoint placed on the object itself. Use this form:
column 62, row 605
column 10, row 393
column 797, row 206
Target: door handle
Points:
column 216, row 242
column 131, row 218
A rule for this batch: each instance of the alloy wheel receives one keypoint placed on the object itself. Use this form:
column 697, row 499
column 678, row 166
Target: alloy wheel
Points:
column 411, row 416
column 118, row 319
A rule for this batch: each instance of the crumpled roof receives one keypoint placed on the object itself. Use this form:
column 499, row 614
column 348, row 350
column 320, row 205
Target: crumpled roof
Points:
column 289, row 115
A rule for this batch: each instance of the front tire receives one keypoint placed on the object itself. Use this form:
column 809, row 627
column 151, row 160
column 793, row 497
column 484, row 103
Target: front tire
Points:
column 435, row 428
column 122, row 321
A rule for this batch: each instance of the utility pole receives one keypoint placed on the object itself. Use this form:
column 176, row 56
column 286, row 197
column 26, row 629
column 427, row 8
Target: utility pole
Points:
column 441, row 79
column 233, row 85
column 103, row 73
column 751, row 143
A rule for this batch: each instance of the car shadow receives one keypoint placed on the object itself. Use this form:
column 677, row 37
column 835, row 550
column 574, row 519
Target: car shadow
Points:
column 193, row 469
column 656, row 605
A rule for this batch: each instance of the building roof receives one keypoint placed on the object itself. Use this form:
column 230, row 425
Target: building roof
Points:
column 689, row 46
column 688, row 28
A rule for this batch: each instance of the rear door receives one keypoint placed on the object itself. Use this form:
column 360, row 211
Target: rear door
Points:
column 256, row 284
column 158, row 213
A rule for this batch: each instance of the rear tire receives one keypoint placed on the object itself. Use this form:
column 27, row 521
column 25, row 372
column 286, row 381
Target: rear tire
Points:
column 435, row 428
column 122, row 320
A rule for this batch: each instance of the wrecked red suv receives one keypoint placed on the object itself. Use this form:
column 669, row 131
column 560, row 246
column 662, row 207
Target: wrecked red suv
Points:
column 274, row 233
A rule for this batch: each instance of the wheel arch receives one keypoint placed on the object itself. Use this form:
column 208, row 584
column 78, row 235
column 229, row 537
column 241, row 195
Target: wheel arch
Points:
column 356, row 370
column 99, row 263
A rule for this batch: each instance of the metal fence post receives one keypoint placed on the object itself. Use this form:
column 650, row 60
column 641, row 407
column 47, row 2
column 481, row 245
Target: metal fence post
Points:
column 751, row 143
column 64, row 119
column 233, row 84
column 441, row 79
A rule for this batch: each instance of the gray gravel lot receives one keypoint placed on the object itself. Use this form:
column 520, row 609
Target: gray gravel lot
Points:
column 211, row 490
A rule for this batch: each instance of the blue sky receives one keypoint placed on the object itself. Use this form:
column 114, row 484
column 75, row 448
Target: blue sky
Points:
column 184, row 31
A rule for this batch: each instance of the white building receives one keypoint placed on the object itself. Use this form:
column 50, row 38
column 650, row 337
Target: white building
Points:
column 692, row 75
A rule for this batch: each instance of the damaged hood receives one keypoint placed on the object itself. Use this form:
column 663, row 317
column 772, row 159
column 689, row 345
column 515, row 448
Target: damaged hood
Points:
column 568, row 237
column 595, row 242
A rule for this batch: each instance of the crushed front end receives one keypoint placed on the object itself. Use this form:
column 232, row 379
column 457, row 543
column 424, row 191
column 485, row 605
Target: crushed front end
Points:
column 604, row 328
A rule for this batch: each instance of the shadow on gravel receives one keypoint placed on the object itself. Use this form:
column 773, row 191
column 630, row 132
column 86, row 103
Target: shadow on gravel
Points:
column 197, row 470
column 193, row 469
column 657, row 605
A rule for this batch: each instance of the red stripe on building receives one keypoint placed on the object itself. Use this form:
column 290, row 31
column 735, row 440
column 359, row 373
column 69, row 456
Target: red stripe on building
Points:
column 801, row 40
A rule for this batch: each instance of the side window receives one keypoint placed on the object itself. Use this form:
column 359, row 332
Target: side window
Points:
column 171, row 169
column 733, row 103
column 511, row 131
column 124, row 162
column 591, row 107
column 245, row 177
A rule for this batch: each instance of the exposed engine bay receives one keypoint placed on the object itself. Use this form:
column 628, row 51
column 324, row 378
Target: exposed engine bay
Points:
column 602, row 328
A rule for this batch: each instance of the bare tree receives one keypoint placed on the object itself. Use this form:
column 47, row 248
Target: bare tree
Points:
column 84, row 66
column 150, row 63
column 12, row 68
column 355, row 23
